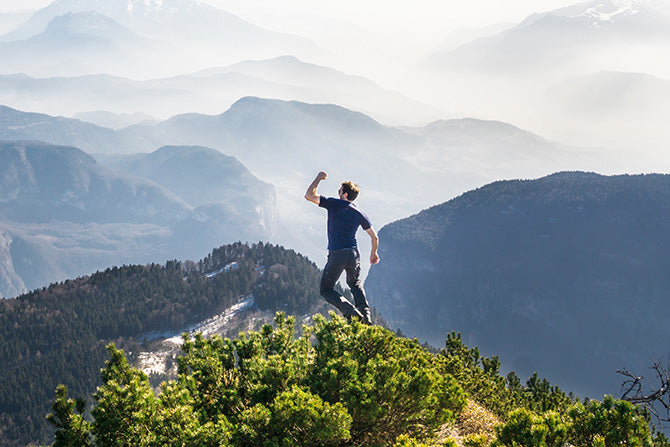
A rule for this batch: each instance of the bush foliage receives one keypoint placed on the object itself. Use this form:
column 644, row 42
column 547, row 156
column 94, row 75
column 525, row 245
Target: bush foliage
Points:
column 541, row 415
column 334, row 384
column 337, row 384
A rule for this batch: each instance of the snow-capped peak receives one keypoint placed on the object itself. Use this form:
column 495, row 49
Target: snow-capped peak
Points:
column 610, row 10
column 160, row 6
column 144, row 7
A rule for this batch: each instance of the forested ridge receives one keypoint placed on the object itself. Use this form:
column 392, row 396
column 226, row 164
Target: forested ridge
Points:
column 57, row 334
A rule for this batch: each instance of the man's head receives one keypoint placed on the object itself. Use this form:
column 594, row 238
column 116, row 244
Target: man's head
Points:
column 349, row 191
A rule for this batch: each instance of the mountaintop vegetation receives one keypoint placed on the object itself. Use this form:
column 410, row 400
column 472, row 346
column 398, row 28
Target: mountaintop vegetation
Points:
column 337, row 384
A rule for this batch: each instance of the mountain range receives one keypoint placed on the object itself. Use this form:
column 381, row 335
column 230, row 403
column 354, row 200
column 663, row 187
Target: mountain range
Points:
column 17, row 125
column 582, row 36
column 84, row 42
column 62, row 214
column 209, row 91
column 564, row 275
column 287, row 142
column 517, row 75
column 273, row 137
column 549, row 72
column 71, row 31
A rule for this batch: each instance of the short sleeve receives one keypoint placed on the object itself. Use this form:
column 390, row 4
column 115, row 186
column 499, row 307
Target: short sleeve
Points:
column 324, row 202
column 365, row 222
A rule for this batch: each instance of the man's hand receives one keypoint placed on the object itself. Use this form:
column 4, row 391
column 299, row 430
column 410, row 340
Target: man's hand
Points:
column 374, row 258
column 311, row 193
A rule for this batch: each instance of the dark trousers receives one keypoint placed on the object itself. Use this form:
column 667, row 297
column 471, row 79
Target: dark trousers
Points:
column 347, row 260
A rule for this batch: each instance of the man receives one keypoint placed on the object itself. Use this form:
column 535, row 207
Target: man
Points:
column 343, row 222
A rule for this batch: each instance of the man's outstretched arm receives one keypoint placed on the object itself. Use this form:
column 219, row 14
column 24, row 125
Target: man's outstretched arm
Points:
column 311, row 194
column 374, row 257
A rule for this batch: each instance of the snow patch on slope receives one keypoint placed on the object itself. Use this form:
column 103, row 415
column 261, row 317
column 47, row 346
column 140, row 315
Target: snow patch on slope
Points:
column 217, row 323
column 155, row 362
column 227, row 268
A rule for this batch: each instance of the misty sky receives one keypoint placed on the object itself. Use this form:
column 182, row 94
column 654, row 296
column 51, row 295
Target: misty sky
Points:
column 371, row 38
column 423, row 17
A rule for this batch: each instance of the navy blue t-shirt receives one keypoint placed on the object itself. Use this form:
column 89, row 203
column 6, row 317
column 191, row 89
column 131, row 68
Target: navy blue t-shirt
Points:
column 343, row 221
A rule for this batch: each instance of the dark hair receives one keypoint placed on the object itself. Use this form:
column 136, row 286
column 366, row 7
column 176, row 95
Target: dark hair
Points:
column 351, row 190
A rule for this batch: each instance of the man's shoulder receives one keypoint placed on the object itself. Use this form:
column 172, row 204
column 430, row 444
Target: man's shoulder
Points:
column 324, row 201
column 332, row 202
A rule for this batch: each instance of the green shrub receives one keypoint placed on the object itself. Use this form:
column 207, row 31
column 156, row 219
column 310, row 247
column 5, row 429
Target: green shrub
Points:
column 609, row 423
column 337, row 384
column 523, row 428
column 391, row 385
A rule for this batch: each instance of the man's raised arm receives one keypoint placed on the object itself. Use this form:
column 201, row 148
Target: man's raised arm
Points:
column 311, row 194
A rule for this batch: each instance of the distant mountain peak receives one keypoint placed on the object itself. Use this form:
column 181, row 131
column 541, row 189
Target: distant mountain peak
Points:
column 328, row 114
column 579, row 38
column 610, row 11
column 175, row 22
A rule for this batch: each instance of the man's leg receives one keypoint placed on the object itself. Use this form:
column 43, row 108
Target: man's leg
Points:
column 337, row 261
column 353, row 270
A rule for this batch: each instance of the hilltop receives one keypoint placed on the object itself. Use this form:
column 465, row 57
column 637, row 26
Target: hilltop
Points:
column 57, row 334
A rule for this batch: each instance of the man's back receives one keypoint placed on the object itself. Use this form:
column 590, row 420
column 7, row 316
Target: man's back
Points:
column 343, row 221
